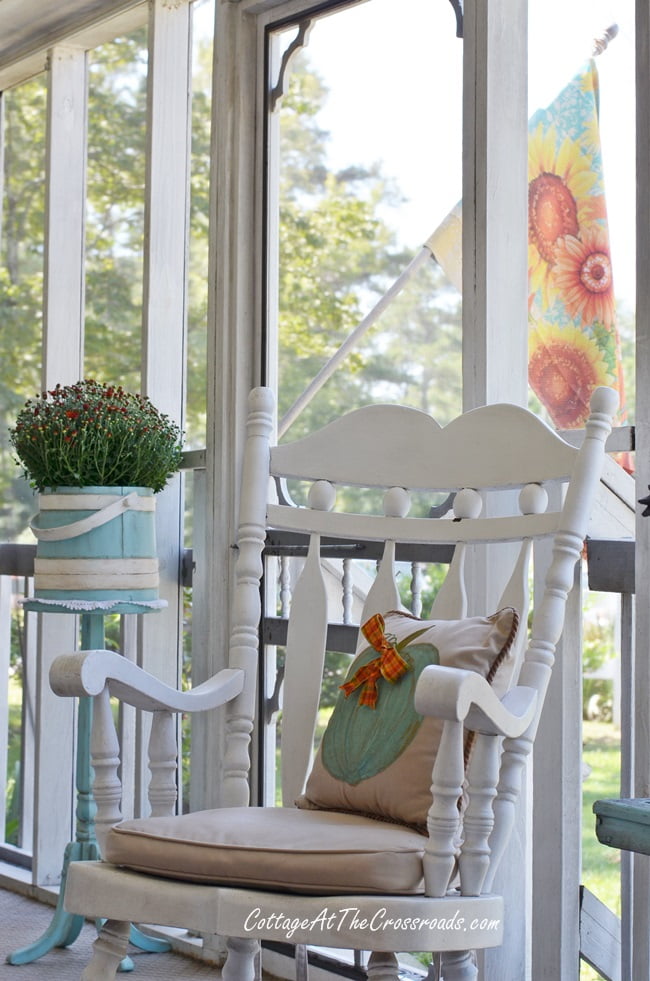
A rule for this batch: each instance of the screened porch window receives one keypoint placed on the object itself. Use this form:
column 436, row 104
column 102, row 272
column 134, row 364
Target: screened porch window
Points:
column 366, row 162
column 103, row 273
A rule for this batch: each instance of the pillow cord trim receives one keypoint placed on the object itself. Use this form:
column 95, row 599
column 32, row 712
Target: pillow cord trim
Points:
column 489, row 677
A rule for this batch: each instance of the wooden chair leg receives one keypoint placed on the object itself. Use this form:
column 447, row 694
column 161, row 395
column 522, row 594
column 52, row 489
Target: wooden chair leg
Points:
column 109, row 949
column 382, row 966
column 433, row 974
column 302, row 963
column 240, row 962
column 258, row 963
column 459, row 965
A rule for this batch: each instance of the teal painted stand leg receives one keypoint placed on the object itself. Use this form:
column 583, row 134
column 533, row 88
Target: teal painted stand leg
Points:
column 144, row 942
column 66, row 927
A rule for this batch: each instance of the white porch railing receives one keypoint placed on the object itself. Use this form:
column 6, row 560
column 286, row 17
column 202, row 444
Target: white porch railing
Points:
column 32, row 793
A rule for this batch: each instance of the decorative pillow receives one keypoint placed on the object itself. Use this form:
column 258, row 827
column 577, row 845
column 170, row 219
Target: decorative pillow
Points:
column 377, row 752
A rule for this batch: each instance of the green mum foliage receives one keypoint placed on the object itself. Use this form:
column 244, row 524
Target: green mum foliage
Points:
column 95, row 434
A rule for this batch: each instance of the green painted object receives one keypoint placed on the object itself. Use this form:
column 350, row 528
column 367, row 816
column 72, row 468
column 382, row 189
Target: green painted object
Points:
column 97, row 544
column 361, row 742
column 624, row 823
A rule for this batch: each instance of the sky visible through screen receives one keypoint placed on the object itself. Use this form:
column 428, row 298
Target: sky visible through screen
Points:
column 395, row 97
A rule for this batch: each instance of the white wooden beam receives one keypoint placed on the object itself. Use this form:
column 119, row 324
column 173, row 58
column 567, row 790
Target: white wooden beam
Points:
column 2, row 159
column 600, row 932
column 28, row 35
column 63, row 331
column 557, row 809
column 628, row 631
column 5, row 649
column 202, row 753
column 640, row 952
column 53, row 758
column 495, row 321
column 165, row 302
column 167, row 205
column 495, row 222
column 234, row 324
column 65, row 199
column 30, row 659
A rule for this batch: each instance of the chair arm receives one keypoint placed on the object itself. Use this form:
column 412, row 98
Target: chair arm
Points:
column 465, row 696
column 88, row 673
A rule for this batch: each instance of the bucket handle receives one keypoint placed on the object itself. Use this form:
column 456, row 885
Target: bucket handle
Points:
column 94, row 520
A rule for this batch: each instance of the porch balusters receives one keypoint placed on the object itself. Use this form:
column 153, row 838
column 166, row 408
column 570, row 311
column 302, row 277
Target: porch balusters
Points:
column 12, row 586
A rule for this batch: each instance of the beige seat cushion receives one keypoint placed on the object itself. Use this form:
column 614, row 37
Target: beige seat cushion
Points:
column 274, row 848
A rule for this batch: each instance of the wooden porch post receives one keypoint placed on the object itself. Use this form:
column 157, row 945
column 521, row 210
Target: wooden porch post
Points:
column 495, row 339
column 495, row 247
column 165, row 309
column 62, row 362
column 557, row 809
column 640, row 948
column 234, row 347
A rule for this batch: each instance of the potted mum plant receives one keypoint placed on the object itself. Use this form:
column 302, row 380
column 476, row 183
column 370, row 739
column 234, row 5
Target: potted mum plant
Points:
column 97, row 455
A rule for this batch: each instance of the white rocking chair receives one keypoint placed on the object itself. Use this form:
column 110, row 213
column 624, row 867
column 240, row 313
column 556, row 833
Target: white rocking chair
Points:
column 380, row 854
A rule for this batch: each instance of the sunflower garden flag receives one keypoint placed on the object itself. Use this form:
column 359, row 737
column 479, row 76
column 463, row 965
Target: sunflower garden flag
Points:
column 573, row 339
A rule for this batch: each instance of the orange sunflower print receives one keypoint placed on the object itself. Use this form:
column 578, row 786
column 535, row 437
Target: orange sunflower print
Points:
column 583, row 275
column 561, row 180
column 564, row 367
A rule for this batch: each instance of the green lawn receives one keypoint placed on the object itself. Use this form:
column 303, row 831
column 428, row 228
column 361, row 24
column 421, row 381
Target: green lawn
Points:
column 600, row 864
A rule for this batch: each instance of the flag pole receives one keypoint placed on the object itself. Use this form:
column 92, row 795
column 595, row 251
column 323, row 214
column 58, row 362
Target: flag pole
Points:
column 328, row 369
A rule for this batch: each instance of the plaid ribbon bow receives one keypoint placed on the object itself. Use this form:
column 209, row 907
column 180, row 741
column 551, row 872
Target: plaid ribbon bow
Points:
column 389, row 664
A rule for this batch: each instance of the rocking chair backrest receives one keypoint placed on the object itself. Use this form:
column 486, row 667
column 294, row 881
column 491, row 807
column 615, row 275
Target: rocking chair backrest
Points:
column 402, row 451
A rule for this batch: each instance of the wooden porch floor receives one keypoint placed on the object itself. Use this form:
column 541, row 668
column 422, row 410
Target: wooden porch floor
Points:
column 23, row 920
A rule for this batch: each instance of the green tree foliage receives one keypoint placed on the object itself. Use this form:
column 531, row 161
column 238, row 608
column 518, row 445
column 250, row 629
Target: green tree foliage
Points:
column 115, row 209
column 627, row 331
column 114, row 240
column 195, row 422
column 415, row 353
column 598, row 655
column 114, row 233
column 116, row 190
column 338, row 255
column 21, row 281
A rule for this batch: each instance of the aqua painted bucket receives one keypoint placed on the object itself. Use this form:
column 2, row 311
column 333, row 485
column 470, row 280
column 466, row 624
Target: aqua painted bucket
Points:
column 96, row 544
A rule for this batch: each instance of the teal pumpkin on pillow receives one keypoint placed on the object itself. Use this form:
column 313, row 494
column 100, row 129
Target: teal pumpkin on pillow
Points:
column 354, row 745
